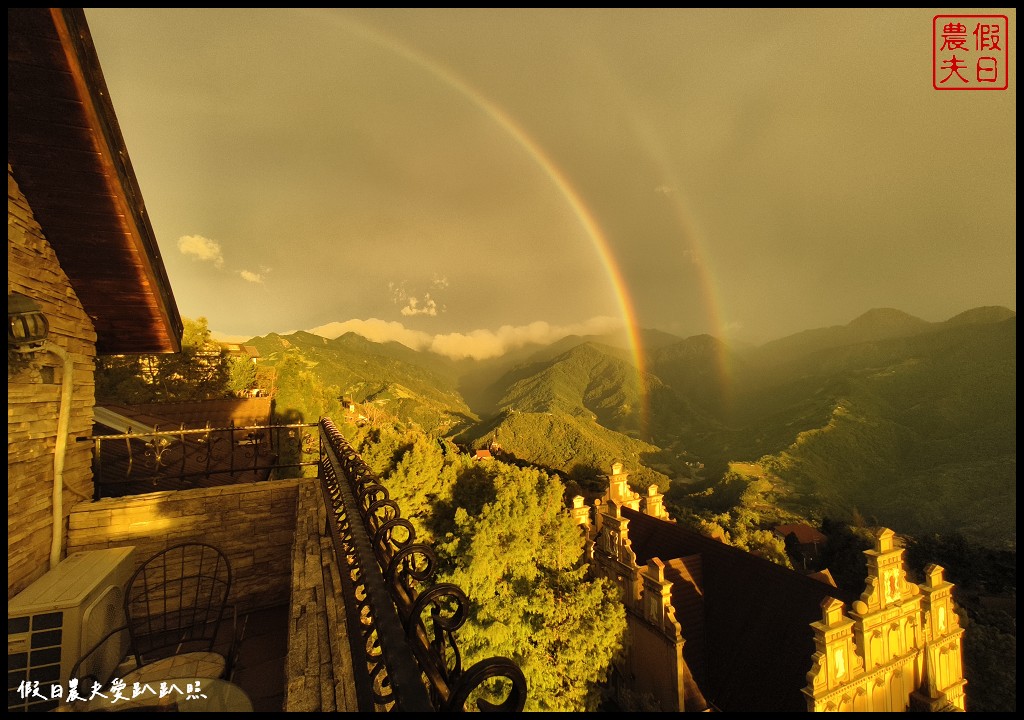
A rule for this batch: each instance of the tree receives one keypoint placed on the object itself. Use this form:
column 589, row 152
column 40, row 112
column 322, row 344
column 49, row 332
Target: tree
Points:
column 985, row 590
column 301, row 393
column 123, row 379
column 518, row 559
column 242, row 375
column 843, row 554
column 382, row 446
column 740, row 510
column 420, row 478
column 503, row 535
column 196, row 333
column 198, row 372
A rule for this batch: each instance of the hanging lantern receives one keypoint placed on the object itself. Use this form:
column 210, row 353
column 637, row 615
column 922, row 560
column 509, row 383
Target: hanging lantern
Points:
column 27, row 327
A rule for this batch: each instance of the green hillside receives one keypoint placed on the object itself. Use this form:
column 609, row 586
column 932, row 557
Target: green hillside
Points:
column 574, row 445
column 921, row 434
column 980, row 315
column 602, row 394
column 698, row 368
column 876, row 324
column 314, row 374
column 909, row 423
column 584, row 377
column 483, row 383
column 574, row 413
column 888, row 420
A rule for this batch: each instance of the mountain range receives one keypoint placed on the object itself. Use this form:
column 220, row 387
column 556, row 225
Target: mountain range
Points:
column 902, row 421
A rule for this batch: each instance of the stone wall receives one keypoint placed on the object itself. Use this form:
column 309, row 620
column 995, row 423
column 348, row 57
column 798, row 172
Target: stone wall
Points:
column 252, row 523
column 318, row 673
column 33, row 399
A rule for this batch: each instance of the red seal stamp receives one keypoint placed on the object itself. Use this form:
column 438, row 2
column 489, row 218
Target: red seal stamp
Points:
column 970, row 52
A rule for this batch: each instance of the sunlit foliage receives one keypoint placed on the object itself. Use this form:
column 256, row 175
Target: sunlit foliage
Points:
column 503, row 535
column 200, row 371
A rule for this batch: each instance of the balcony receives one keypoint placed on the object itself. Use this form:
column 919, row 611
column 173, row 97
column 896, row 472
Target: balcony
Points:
column 133, row 463
column 337, row 607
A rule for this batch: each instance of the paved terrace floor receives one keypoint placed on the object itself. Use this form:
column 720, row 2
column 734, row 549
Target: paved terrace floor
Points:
column 262, row 650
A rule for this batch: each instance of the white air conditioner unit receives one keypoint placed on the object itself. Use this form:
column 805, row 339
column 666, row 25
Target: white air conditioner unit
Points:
column 53, row 621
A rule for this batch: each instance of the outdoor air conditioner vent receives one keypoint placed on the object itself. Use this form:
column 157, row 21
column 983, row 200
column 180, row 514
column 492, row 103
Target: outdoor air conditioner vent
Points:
column 60, row 616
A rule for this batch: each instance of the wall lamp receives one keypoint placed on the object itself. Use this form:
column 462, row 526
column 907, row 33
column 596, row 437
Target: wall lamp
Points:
column 27, row 326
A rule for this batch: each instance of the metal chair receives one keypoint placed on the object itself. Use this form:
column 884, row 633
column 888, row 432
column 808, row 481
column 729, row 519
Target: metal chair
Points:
column 175, row 605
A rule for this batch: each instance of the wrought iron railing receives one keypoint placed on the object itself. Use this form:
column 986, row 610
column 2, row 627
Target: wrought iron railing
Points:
column 402, row 626
column 132, row 463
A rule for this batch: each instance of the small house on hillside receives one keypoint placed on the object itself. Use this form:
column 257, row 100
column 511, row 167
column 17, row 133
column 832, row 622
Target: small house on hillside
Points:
column 239, row 351
column 803, row 543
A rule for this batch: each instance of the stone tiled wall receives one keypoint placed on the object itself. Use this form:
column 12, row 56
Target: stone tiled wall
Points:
column 33, row 399
column 318, row 673
column 252, row 523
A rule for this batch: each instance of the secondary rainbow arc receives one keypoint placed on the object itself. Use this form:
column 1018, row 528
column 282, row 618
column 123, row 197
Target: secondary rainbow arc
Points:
column 585, row 217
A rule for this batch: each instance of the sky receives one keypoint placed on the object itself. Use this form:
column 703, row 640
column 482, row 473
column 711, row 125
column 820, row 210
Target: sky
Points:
column 470, row 180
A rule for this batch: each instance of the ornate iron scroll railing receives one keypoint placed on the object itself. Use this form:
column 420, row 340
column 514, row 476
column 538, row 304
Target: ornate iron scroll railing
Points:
column 400, row 624
column 131, row 463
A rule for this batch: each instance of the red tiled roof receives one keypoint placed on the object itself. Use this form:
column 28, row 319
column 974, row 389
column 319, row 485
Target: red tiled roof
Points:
column 823, row 576
column 196, row 414
column 805, row 534
column 757, row 640
column 239, row 350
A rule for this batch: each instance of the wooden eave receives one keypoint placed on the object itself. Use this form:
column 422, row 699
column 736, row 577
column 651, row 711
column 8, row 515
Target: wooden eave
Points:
column 66, row 152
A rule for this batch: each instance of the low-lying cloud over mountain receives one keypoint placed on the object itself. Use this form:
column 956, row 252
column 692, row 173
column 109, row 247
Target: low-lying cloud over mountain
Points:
column 476, row 344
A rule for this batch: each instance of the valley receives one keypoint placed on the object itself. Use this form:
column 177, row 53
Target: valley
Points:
column 903, row 422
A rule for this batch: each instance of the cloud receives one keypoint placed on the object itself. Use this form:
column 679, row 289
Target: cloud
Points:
column 398, row 293
column 478, row 344
column 429, row 307
column 226, row 338
column 251, row 276
column 201, row 248
column 482, row 344
column 378, row 331
column 440, row 282
column 732, row 329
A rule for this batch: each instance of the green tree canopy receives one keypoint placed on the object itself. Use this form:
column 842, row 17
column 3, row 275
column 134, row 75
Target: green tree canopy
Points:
column 518, row 557
column 242, row 375
column 503, row 535
column 301, row 395
column 418, row 481
column 199, row 372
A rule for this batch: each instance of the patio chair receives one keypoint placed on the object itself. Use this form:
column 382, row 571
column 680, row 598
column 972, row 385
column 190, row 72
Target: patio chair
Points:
column 175, row 605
